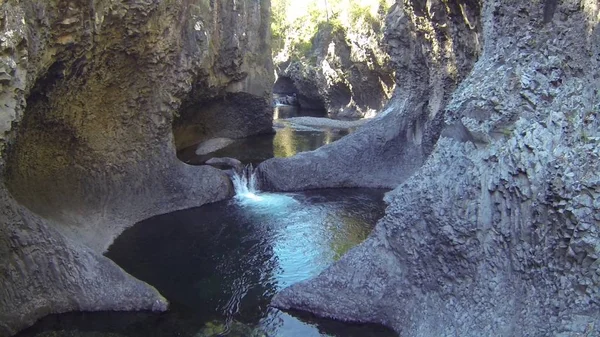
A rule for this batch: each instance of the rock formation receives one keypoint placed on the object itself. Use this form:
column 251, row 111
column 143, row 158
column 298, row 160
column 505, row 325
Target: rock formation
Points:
column 345, row 72
column 90, row 92
column 492, row 229
column 392, row 146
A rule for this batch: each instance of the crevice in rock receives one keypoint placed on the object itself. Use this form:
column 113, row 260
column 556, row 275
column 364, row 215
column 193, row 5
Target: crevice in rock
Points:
column 549, row 9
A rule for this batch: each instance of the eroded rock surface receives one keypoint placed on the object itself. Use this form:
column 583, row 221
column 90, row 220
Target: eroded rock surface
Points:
column 393, row 145
column 345, row 72
column 497, row 234
column 89, row 93
column 232, row 90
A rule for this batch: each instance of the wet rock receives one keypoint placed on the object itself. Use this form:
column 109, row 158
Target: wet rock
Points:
column 233, row 163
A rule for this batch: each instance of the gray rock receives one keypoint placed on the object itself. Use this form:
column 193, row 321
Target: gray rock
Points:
column 357, row 80
column 391, row 147
column 285, row 99
column 225, row 161
column 213, row 145
column 496, row 238
column 43, row 272
column 88, row 126
column 321, row 122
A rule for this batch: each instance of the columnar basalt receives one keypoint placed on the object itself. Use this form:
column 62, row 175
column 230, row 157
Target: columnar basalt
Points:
column 344, row 69
column 432, row 52
column 90, row 92
column 496, row 234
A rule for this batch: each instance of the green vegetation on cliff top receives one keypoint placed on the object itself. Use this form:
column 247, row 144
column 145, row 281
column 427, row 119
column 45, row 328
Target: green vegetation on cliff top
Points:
column 295, row 23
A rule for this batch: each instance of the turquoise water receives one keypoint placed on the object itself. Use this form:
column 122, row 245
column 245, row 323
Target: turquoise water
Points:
column 219, row 265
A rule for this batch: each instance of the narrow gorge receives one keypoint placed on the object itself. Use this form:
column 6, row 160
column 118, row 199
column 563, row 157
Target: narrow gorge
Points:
column 431, row 168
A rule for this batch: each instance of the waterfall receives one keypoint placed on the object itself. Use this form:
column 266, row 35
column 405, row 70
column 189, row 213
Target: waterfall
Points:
column 249, row 196
column 244, row 184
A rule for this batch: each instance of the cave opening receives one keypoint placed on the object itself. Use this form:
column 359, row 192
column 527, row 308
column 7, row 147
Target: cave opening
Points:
column 291, row 92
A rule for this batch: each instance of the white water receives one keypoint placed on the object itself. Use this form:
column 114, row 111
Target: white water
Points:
column 244, row 183
column 248, row 195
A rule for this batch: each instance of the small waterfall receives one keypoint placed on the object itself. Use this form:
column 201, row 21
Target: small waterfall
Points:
column 244, row 184
column 249, row 196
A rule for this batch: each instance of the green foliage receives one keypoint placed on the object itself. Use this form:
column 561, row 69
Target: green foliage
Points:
column 358, row 12
column 295, row 23
column 278, row 22
column 302, row 48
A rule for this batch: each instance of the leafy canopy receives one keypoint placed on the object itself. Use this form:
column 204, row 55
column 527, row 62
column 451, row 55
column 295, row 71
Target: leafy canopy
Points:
column 295, row 23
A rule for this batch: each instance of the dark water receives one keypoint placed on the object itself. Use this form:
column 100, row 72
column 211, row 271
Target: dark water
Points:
column 285, row 142
column 219, row 265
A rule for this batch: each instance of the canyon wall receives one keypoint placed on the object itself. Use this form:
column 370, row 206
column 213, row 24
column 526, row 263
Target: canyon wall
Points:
column 332, row 56
column 95, row 95
column 431, row 53
column 346, row 73
column 493, row 229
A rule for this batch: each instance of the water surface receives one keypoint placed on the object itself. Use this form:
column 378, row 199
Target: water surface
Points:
column 286, row 141
column 219, row 265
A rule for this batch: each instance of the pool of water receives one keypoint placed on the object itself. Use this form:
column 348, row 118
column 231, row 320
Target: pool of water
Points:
column 219, row 265
column 287, row 140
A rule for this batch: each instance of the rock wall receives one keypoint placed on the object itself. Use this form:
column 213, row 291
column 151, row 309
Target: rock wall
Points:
column 231, row 96
column 497, row 233
column 432, row 53
column 345, row 73
column 89, row 93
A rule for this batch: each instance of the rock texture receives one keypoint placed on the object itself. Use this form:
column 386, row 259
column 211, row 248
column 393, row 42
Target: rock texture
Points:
column 497, row 233
column 231, row 93
column 44, row 272
column 89, row 93
column 432, row 53
column 345, row 73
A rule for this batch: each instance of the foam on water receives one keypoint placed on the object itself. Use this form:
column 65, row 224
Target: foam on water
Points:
column 249, row 196
column 244, row 183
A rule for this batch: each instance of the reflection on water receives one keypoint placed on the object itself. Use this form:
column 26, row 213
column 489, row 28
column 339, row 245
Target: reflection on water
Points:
column 219, row 265
column 287, row 141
